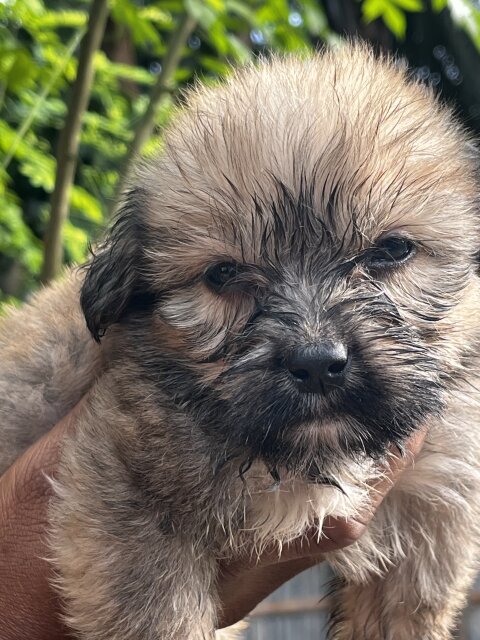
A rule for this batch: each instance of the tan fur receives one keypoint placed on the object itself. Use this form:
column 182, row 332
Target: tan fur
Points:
column 148, row 498
column 48, row 361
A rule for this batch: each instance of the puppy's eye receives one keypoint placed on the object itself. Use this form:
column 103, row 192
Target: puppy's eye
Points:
column 391, row 252
column 219, row 275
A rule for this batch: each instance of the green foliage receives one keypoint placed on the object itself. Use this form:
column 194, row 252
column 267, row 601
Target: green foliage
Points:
column 466, row 13
column 392, row 12
column 38, row 62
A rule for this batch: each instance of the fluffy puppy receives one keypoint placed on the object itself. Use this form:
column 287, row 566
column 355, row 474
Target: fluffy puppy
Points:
column 290, row 290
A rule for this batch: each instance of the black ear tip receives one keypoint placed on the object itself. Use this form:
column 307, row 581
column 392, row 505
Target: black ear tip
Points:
column 96, row 296
column 107, row 289
column 111, row 275
column 97, row 334
column 89, row 304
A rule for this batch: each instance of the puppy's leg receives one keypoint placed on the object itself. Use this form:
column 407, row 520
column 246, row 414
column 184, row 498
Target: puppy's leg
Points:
column 124, row 571
column 146, row 588
column 156, row 591
column 410, row 574
column 404, row 605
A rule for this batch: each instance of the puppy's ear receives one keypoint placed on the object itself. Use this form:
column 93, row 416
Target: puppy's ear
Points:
column 112, row 276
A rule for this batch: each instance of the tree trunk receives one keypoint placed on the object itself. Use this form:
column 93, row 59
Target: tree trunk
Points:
column 161, row 88
column 69, row 141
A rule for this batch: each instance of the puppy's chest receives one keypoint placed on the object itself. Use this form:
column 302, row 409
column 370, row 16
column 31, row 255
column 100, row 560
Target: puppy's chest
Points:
column 281, row 513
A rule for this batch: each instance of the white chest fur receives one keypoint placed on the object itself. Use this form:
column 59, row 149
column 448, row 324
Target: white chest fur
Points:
column 281, row 513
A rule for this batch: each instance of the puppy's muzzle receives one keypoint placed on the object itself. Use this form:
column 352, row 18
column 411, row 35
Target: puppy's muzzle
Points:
column 318, row 368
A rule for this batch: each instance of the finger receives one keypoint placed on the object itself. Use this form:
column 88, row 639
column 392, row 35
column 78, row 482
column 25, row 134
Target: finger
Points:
column 337, row 533
column 30, row 609
column 344, row 532
column 243, row 587
column 310, row 547
column 397, row 463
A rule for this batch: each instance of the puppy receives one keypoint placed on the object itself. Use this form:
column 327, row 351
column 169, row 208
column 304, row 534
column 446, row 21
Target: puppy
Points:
column 290, row 290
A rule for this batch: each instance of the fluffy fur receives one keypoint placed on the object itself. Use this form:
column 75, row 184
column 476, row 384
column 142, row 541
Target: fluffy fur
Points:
column 196, row 442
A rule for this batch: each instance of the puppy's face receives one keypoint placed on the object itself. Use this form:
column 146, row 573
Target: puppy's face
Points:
column 297, row 271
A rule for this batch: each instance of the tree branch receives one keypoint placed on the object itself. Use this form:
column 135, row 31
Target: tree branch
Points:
column 67, row 152
column 161, row 88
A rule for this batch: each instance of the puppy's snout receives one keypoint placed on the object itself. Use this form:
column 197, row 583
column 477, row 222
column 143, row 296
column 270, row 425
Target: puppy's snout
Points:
column 319, row 368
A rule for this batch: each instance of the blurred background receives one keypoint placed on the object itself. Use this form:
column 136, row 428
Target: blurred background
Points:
column 88, row 85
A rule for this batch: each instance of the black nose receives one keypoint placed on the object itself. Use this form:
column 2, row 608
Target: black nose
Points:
column 319, row 368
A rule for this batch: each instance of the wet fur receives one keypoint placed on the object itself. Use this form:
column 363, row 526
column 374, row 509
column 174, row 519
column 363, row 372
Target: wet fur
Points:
column 194, row 443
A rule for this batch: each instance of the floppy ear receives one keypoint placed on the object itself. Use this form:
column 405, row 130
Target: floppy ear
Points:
column 112, row 276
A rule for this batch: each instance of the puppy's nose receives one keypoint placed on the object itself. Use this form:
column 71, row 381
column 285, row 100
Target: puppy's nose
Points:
column 320, row 368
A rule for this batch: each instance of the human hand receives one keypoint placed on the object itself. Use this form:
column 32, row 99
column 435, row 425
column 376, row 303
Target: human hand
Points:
column 246, row 581
column 32, row 609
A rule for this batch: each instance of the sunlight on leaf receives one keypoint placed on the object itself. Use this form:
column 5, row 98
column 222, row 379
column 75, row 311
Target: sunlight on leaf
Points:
column 466, row 13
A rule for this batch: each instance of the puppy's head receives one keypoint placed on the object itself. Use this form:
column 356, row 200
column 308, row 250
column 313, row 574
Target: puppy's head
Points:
column 297, row 270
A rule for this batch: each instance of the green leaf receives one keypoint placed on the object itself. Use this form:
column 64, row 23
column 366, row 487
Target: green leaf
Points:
column 87, row 204
column 373, row 9
column 41, row 98
column 395, row 20
column 20, row 70
column 392, row 16
column 155, row 15
column 410, row 5
column 439, row 5
column 76, row 242
column 217, row 5
column 315, row 19
column 16, row 239
column 34, row 161
column 241, row 9
column 466, row 14
column 40, row 170
column 215, row 65
column 274, row 11
column 203, row 14
column 218, row 38
column 172, row 6
column 56, row 19
column 240, row 51
column 107, row 68
column 143, row 32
